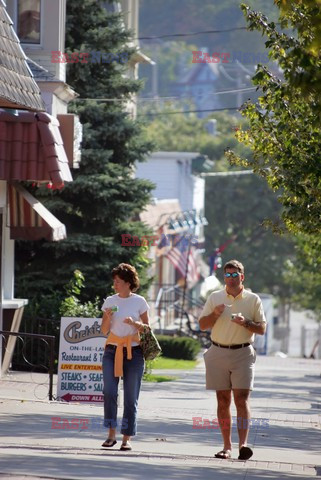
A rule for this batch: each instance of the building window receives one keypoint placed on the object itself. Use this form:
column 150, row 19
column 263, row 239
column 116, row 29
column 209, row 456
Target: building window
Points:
column 29, row 21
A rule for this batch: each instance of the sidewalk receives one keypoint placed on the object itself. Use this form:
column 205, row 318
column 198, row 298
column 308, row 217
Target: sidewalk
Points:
column 285, row 435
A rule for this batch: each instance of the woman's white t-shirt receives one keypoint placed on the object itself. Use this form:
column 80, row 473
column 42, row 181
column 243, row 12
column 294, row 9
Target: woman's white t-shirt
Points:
column 133, row 306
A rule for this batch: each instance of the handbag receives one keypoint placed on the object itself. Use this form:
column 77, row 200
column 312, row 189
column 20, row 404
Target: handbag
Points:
column 149, row 343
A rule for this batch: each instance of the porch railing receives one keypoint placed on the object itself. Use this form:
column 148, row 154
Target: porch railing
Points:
column 48, row 339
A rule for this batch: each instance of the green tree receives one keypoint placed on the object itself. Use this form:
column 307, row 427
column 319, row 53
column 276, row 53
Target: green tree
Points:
column 104, row 199
column 236, row 207
column 188, row 133
column 284, row 131
column 314, row 34
column 170, row 58
column 284, row 135
column 304, row 275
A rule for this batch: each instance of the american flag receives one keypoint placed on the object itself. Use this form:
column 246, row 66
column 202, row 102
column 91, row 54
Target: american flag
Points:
column 182, row 254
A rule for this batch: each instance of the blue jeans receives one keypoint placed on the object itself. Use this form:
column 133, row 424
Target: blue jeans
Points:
column 133, row 372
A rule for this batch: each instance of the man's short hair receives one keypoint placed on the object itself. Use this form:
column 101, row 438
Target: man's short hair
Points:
column 234, row 264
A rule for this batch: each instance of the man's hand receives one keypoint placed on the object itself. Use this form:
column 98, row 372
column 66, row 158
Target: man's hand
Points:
column 239, row 319
column 208, row 321
column 218, row 310
column 258, row 328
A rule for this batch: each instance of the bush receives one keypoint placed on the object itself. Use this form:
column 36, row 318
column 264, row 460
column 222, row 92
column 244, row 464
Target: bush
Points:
column 184, row 348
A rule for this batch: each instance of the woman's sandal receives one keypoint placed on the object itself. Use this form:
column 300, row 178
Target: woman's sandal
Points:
column 110, row 442
column 223, row 454
column 245, row 453
column 125, row 447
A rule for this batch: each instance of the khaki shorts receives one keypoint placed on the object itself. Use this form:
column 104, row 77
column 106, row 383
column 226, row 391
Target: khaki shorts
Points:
column 229, row 369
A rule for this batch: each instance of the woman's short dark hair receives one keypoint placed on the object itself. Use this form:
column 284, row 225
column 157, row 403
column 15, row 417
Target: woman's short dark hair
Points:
column 127, row 273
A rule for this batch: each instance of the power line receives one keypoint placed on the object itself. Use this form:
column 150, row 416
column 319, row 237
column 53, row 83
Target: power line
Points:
column 187, row 111
column 154, row 37
column 155, row 99
column 221, row 92
column 190, row 34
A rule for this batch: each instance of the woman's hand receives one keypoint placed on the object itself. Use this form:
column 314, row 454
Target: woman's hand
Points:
column 132, row 323
column 105, row 324
column 108, row 313
column 129, row 321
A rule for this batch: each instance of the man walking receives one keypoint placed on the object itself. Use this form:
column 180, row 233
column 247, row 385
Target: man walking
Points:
column 234, row 316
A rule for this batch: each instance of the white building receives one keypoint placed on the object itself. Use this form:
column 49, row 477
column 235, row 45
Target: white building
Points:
column 177, row 212
column 173, row 175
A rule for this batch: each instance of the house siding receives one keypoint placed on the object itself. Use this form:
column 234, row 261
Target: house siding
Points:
column 173, row 178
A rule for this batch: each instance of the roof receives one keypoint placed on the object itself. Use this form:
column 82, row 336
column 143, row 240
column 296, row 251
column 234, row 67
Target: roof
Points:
column 195, row 70
column 40, row 73
column 31, row 148
column 18, row 88
column 173, row 155
column 157, row 215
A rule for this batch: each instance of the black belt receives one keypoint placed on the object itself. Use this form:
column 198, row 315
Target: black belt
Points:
column 231, row 347
column 113, row 347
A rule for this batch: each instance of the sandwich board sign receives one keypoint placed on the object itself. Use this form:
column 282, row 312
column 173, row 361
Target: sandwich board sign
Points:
column 81, row 349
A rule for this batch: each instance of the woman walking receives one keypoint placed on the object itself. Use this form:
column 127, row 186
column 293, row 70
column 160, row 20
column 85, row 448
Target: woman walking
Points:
column 124, row 316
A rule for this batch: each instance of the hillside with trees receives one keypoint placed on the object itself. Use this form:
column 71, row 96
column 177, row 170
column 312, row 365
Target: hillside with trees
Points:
column 172, row 29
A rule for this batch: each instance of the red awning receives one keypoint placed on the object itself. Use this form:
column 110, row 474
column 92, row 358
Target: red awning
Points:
column 31, row 148
column 30, row 219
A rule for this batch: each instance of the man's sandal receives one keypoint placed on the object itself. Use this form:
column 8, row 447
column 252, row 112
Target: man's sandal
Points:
column 110, row 442
column 223, row 454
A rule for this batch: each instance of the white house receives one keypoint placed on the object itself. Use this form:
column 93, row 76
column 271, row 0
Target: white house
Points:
column 174, row 177
column 177, row 214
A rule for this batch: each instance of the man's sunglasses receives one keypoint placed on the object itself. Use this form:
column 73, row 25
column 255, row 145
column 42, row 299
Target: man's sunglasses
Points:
column 233, row 275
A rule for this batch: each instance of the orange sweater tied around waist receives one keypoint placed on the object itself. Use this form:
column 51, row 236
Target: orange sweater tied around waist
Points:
column 121, row 342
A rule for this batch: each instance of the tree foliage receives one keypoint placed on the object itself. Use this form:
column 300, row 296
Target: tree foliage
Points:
column 314, row 42
column 181, row 27
column 284, row 131
column 284, row 135
column 170, row 57
column 188, row 133
column 175, row 17
column 236, row 207
column 304, row 275
column 104, row 199
column 71, row 305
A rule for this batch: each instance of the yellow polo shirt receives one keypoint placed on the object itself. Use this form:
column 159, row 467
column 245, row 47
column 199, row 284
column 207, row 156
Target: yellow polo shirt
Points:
column 225, row 331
